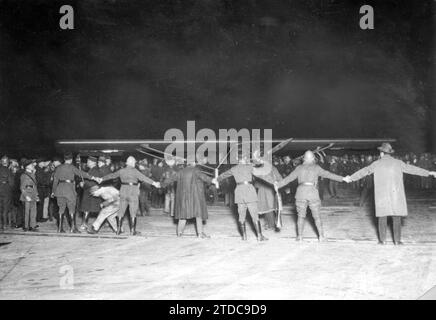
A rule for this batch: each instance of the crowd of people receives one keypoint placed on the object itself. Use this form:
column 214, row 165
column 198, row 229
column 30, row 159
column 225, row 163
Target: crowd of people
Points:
column 35, row 191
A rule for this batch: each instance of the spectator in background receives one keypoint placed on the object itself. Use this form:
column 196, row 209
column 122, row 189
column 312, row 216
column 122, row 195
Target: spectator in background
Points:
column 53, row 209
column 29, row 195
column 15, row 196
column 144, row 189
column 6, row 187
column 168, row 179
column 367, row 185
column 333, row 185
column 43, row 178
column 157, row 194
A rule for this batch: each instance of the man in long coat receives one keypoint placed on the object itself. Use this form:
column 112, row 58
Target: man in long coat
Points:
column 267, row 201
column 190, row 198
column 389, row 195
column 88, row 202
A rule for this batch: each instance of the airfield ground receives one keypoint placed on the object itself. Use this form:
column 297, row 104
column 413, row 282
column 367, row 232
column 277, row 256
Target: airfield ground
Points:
column 157, row 265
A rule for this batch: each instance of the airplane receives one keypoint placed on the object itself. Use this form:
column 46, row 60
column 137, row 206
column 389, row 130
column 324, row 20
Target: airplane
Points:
column 288, row 146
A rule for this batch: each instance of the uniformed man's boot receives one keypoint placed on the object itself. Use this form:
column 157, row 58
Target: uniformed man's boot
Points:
column 61, row 224
column 300, row 229
column 260, row 236
column 243, row 230
column 73, row 225
column 133, row 230
column 119, row 223
column 318, row 224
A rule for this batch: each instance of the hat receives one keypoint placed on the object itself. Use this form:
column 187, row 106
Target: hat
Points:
column 68, row 156
column 386, row 148
column 28, row 162
column 58, row 159
column 170, row 161
column 102, row 158
column 92, row 158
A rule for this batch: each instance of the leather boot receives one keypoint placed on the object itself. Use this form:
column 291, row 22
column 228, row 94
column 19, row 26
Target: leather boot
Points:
column 133, row 230
column 61, row 224
column 243, row 230
column 318, row 224
column 73, row 225
column 260, row 236
column 300, row 228
column 119, row 223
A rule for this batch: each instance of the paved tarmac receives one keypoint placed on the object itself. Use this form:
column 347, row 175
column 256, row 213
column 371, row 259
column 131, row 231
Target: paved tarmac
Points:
column 157, row 265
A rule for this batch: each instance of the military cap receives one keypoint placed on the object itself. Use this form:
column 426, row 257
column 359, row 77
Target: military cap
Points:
column 28, row 162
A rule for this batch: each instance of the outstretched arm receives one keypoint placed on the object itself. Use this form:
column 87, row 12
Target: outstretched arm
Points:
column 362, row 173
column 225, row 175
column 417, row 171
column 291, row 177
column 111, row 176
column 143, row 178
column 203, row 177
column 82, row 174
column 328, row 175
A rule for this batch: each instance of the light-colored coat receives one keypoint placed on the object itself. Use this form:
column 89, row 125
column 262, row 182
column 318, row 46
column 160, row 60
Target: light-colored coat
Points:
column 389, row 194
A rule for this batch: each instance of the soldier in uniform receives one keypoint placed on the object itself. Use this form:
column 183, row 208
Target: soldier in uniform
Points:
column 103, row 169
column 13, row 212
column 65, row 192
column 53, row 208
column 129, row 192
column 88, row 202
column 6, row 188
column 170, row 190
column 156, row 174
column 367, row 184
column 29, row 195
column 307, row 194
column 144, row 188
column 43, row 179
column 245, row 195
column 333, row 185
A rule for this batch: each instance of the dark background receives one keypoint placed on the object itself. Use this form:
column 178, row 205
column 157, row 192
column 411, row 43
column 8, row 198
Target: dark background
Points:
column 133, row 69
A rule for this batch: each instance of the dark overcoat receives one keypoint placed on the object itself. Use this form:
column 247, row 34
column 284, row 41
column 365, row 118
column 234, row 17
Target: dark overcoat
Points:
column 190, row 197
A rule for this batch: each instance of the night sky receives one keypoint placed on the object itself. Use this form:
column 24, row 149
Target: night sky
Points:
column 133, row 69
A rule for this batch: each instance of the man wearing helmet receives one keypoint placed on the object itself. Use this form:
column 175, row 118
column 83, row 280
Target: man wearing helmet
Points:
column 245, row 195
column 129, row 192
column 307, row 194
